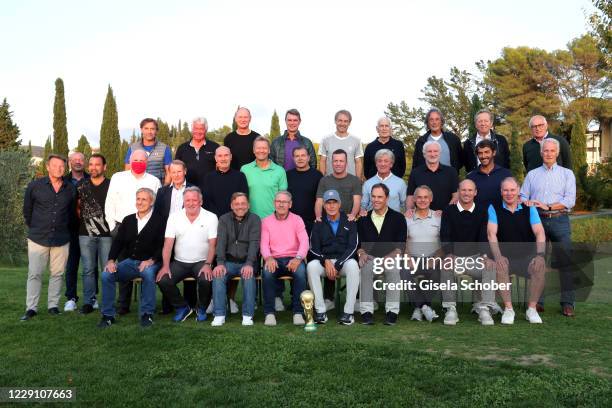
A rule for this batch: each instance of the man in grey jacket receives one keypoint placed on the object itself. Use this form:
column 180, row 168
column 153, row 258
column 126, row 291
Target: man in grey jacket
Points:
column 281, row 151
column 238, row 236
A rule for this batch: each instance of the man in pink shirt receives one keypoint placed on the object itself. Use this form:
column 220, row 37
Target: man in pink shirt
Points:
column 284, row 245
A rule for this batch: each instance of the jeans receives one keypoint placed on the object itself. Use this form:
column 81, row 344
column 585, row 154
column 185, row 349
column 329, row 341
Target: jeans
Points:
column 558, row 231
column 220, row 291
column 94, row 252
column 72, row 268
column 126, row 271
column 269, row 285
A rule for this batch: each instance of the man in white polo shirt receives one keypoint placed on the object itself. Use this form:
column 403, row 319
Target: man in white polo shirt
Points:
column 192, row 232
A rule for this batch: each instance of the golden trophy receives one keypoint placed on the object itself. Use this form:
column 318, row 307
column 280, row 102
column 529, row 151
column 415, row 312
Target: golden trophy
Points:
column 307, row 300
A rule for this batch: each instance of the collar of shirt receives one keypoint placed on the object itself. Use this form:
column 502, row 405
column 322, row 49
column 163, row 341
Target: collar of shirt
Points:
column 146, row 218
column 552, row 168
column 375, row 215
column 416, row 217
column 518, row 207
column 436, row 138
column 384, row 179
column 479, row 138
column 496, row 167
column 471, row 209
column 182, row 186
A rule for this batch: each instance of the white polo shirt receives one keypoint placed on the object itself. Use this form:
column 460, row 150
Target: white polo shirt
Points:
column 423, row 234
column 191, row 238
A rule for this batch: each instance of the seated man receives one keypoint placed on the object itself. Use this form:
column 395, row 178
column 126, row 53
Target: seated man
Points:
column 333, row 244
column 512, row 224
column 284, row 244
column 192, row 232
column 139, row 243
column 237, row 246
column 382, row 234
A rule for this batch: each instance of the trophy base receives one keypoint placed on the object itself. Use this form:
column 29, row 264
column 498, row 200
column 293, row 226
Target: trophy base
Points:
column 310, row 327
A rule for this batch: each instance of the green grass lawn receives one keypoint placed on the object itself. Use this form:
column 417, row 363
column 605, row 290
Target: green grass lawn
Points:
column 564, row 362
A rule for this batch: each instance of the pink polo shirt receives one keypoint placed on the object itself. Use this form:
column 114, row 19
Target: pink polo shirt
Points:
column 283, row 238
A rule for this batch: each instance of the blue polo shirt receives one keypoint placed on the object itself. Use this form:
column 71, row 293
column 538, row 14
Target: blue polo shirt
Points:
column 488, row 186
column 534, row 217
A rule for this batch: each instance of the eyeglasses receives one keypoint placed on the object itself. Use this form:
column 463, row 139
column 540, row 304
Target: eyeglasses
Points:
column 282, row 202
column 539, row 126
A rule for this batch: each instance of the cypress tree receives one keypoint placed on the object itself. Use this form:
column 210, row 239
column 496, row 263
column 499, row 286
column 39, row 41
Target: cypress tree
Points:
column 163, row 133
column 578, row 144
column 123, row 148
column 274, row 127
column 234, row 124
column 42, row 169
column 9, row 132
column 475, row 106
column 84, row 147
column 60, row 131
column 516, row 156
column 110, row 142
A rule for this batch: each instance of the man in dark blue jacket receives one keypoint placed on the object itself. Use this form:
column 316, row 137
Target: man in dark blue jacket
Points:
column 333, row 245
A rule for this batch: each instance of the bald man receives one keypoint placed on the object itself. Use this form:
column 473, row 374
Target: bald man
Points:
column 220, row 184
column 240, row 141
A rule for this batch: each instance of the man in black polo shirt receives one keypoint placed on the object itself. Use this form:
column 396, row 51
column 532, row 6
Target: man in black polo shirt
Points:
column 240, row 141
column 303, row 182
column 382, row 234
column 463, row 231
column 442, row 180
column 488, row 176
column 532, row 158
column 198, row 154
column 512, row 231
column 384, row 140
column 219, row 185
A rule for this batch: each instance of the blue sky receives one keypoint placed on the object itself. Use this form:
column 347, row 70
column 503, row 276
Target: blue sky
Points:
column 203, row 58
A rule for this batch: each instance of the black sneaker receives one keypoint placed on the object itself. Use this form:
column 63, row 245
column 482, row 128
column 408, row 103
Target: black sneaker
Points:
column 122, row 311
column 346, row 319
column 367, row 319
column 28, row 315
column 86, row 309
column 54, row 311
column 320, row 318
column 146, row 320
column 391, row 319
column 106, row 322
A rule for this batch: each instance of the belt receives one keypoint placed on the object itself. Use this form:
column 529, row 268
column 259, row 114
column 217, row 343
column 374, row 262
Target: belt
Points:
column 552, row 214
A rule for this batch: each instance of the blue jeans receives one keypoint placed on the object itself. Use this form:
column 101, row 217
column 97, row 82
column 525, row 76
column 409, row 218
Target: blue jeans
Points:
column 558, row 231
column 269, row 285
column 126, row 271
column 220, row 291
column 94, row 252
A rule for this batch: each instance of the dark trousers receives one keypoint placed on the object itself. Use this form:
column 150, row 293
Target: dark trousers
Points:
column 180, row 271
column 558, row 231
column 417, row 296
column 72, row 267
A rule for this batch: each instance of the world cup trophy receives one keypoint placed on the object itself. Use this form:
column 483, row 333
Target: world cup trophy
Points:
column 307, row 300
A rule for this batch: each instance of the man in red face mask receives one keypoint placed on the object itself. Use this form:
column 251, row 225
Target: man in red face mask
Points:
column 120, row 203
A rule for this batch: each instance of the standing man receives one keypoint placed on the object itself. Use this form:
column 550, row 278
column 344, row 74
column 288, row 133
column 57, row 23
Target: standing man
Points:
column 552, row 189
column 198, row 154
column 341, row 139
column 281, row 151
column 220, row 184
column 94, row 233
column 191, row 234
column 264, row 178
column 450, row 144
column 238, row 240
column 139, row 242
column 531, row 149
column 240, row 141
column 382, row 234
column 76, row 160
column 284, row 245
column 48, row 209
column 385, row 140
column 397, row 187
column 159, row 154
column 303, row 182
column 488, row 176
column 484, row 131
column 347, row 185
column 442, row 180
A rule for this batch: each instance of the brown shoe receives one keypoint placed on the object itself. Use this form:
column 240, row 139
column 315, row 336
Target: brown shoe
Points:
column 539, row 308
column 568, row 311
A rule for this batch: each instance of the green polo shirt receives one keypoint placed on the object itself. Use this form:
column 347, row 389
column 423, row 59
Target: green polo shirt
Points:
column 263, row 185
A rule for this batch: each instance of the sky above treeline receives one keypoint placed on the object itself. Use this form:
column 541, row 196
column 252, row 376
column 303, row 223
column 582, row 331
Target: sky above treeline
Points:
column 204, row 58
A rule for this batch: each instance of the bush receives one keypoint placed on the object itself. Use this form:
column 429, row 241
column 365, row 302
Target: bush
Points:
column 593, row 191
column 16, row 174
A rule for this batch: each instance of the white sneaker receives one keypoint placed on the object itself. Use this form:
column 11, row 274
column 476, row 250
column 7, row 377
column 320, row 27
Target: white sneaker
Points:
column 298, row 319
column 429, row 313
column 533, row 316
column 247, row 320
column 210, row 308
column 96, row 306
column 218, row 321
column 508, row 316
column 451, row 318
column 278, row 304
column 233, row 306
column 417, row 315
column 270, row 320
column 357, row 306
column 329, row 305
column 484, row 317
column 70, row 306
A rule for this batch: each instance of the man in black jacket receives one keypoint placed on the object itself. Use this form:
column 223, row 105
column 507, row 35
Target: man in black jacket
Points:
column 484, row 130
column 532, row 157
column 382, row 234
column 450, row 154
column 333, row 244
column 139, row 240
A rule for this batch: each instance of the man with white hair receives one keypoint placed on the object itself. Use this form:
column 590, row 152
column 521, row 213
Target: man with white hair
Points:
column 531, row 149
column 397, row 187
column 198, row 154
column 484, row 131
column 552, row 189
column 158, row 153
column 385, row 140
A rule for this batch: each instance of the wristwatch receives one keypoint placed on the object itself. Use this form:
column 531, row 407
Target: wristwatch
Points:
column 298, row 257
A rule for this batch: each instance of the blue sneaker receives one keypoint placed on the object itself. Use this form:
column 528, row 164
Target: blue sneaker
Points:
column 182, row 314
column 201, row 314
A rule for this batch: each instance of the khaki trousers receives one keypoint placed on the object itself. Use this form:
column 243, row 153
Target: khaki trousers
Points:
column 38, row 258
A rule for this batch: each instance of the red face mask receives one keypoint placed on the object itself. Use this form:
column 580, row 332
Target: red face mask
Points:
column 139, row 167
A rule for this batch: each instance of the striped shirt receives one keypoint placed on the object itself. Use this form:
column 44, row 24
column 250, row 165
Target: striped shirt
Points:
column 549, row 186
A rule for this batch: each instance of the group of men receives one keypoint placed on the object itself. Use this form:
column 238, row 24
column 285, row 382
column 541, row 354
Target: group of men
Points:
column 215, row 215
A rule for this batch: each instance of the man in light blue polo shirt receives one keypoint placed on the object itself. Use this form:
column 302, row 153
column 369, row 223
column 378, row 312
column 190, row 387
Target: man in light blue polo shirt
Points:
column 384, row 159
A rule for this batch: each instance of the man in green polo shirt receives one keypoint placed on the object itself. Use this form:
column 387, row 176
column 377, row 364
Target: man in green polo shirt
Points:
column 264, row 177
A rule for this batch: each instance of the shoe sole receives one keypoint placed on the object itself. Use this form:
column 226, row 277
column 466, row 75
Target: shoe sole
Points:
column 185, row 317
column 447, row 323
